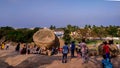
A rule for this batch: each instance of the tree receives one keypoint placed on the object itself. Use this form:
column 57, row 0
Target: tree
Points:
column 67, row 37
column 87, row 26
column 112, row 31
column 52, row 27
column 72, row 28
column 5, row 30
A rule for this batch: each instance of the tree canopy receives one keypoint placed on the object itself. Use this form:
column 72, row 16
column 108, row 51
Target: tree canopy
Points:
column 25, row 34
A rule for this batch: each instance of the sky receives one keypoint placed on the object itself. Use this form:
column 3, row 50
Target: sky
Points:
column 43, row 13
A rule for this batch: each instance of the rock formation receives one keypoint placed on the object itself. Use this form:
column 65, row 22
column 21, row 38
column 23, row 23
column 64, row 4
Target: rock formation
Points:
column 46, row 38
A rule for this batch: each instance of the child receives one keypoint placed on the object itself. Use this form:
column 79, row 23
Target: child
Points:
column 65, row 51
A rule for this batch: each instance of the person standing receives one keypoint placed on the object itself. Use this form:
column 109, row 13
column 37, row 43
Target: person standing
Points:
column 84, row 51
column 65, row 51
column 17, row 47
column 72, row 48
column 106, row 50
column 79, row 50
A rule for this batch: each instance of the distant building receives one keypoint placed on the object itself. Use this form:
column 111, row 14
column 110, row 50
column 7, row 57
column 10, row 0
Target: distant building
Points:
column 59, row 33
column 32, row 28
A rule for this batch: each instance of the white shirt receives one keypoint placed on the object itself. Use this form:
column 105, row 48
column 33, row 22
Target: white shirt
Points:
column 118, row 46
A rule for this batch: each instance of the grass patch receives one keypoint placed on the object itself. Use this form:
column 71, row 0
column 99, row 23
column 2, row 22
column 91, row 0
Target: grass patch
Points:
column 93, row 42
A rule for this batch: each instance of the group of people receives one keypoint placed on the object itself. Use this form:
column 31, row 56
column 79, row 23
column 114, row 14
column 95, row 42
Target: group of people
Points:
column 27, row 49
column 82, row 51
column 4, row 46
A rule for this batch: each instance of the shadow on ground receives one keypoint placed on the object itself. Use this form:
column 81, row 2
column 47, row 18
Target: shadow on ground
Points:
column 37, row 61
column 116, row 62
column 5, row 65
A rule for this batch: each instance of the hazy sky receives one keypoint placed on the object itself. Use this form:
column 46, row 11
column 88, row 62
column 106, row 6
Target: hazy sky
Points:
column 43, row 13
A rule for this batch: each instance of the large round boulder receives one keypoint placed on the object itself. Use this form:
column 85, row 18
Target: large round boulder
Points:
column 46, row 38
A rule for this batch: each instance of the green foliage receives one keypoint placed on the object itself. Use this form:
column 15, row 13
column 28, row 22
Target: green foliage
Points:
column 5, row 30
column 112, row 30
column 91, row 41
column 52, row 27
column 72, row 28
column 67, row 37
column 25, row 35
column 19, row 35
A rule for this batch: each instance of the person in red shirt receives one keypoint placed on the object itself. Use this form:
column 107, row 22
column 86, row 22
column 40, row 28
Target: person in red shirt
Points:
column 106, row 50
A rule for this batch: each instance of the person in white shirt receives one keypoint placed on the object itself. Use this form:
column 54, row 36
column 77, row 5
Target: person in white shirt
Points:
column 7, row 46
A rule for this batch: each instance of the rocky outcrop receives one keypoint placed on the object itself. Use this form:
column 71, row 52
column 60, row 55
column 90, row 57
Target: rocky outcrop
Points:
column 46, row 38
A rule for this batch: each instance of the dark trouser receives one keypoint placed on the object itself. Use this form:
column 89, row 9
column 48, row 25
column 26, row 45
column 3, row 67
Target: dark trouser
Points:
column 28, row 51
column 7, row 47
column 72, row 53
column 64, row 58
column 52, row 53
column 108, row 56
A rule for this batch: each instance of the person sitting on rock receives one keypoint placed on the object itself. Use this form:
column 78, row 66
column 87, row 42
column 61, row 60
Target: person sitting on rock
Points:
column 38, row 50
column 24, row 50
column 53, row 50
column 3, row 46
column 17, row 47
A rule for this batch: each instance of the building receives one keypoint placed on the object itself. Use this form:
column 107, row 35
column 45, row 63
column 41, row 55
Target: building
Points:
column 59, row 33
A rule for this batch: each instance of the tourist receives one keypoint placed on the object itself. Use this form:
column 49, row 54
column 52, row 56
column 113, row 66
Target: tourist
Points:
column 106, row 49
column 17, row 47
column 72, row 48
column 53, row 50
column 28, row 49
column 3, row 46
column 7, row 46
column 24, row 49
column 84, row 51
column 65, row 51
column 78, row 50
column 38, row 50
column 34, row 49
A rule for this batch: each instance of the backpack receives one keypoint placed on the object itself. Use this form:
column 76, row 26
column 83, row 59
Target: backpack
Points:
column 65, row 49
column 107, row 64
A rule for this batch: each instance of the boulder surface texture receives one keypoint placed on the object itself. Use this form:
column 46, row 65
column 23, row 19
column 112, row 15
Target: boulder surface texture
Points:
column 46, row 38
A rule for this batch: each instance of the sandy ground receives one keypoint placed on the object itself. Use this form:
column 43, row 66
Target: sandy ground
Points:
column 11, row 59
